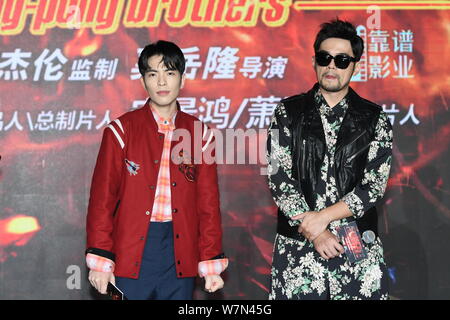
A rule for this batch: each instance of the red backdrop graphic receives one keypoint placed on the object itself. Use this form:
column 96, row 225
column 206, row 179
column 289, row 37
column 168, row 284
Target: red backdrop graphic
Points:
column 68, row 67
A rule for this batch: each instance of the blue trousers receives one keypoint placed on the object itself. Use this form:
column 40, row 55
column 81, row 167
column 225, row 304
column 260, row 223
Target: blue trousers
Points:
column 157, row 278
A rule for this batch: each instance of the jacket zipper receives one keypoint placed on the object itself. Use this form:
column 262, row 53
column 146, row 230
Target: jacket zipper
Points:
column 357, row 153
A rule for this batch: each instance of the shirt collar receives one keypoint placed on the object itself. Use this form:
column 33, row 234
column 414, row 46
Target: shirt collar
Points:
column 164, row 124
column 325, row 108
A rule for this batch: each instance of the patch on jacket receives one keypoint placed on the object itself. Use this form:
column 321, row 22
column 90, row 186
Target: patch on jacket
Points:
column 132, row 167
column 186, row 166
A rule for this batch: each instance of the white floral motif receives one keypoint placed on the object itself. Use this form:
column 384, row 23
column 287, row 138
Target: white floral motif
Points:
column 298, row 269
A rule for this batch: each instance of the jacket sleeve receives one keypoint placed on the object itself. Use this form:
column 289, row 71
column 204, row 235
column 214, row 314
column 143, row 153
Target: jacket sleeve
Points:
column 371, row 188
column 208, row 205
column 284, row 188
column 104, row 192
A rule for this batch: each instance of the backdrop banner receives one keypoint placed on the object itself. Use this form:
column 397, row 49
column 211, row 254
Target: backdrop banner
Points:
column 69, row 67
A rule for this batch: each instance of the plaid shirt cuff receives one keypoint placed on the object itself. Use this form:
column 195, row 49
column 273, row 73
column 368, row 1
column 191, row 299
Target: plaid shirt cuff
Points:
column 98, row 263
column 210, row 267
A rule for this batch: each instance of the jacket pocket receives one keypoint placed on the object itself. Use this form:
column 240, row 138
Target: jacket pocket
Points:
column 116, row 209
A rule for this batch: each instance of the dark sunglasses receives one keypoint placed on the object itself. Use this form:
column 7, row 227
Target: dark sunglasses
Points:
column 341, row 61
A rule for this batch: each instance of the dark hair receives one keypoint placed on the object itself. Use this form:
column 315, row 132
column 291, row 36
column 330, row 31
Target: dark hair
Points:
column 343, row 30
column 172, row 56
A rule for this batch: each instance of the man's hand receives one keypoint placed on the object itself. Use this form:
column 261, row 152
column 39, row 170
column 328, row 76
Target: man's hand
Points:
column 327, row 245
column 312, row 224
column 99, row 280
column 213, row 283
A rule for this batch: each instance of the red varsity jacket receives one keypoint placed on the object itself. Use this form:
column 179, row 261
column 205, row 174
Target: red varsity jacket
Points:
column 124, row 184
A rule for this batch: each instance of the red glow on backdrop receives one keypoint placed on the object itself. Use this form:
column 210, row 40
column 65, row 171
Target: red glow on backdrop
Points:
column 82, row 44
column 16, row 231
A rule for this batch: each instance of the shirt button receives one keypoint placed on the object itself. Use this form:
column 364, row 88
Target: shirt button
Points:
column 152, row 187
column 161, row 136
column 177, row 236
column 180, row 273
column 175, row 210
column 174, row 184
column 147, row 213
column 142, row 238
column 178, row 262
column 155, row 161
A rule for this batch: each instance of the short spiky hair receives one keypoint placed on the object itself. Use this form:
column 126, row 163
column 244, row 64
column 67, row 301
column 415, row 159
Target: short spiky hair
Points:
column 172, row 56
column 343, row 30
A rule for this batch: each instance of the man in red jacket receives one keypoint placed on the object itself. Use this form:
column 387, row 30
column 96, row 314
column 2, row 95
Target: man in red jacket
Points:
column 153, row 219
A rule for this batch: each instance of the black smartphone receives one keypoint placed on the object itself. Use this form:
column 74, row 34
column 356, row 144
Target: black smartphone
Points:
column 115, row 292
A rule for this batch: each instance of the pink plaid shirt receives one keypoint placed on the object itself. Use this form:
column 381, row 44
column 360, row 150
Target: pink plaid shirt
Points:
column 162, row 210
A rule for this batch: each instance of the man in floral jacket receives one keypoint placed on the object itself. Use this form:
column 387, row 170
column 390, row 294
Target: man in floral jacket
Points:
column 329, row 161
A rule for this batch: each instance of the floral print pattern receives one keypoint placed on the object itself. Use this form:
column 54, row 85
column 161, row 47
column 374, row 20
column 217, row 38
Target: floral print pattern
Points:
column 298, row 271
